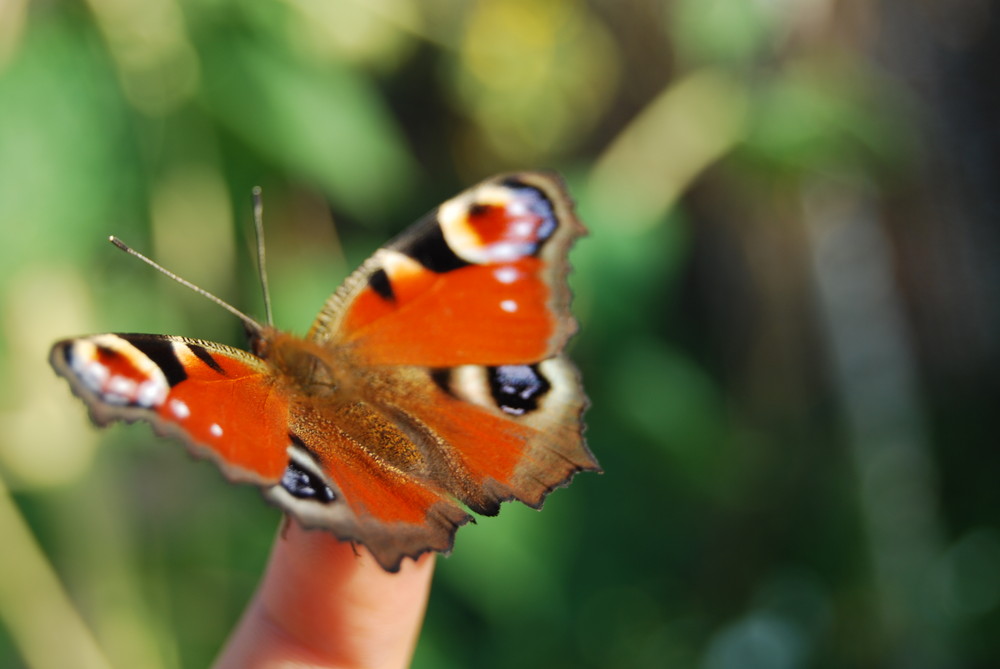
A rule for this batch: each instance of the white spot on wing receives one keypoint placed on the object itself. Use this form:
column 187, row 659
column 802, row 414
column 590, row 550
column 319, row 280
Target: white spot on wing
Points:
column 92, row 373
column 120, row 390
column 524, row 229
column 507, row 274
column 179, row 409
column 505, row 251
column 151, row 393
column 215, row 430
column 510, row 306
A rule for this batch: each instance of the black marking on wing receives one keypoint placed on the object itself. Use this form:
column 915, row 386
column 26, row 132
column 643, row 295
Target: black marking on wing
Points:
column 432, row 251
column 441, row 377
column 66, row 349
column 161, row 352
column 517, row 389
column 478, row 209
column 206, row 357
column 379, row 282
column 305, row 485
column 302, row 483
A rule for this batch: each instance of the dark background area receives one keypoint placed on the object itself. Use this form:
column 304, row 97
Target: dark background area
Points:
column 789, row 299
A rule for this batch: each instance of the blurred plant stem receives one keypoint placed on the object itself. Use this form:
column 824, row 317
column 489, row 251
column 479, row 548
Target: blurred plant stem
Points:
column 875, row 378
column 33, row 603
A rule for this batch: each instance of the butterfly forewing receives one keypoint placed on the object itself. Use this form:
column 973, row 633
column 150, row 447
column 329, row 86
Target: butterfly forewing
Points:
column 220, row 400
column 480, row 280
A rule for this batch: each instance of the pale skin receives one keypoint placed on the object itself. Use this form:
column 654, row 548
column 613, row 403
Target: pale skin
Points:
column 326, row 603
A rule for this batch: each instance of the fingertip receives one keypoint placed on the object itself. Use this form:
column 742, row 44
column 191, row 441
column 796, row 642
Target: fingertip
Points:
column 329, row 601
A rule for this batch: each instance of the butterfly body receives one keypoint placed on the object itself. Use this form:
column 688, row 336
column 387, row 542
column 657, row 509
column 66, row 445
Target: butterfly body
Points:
column 434, row 374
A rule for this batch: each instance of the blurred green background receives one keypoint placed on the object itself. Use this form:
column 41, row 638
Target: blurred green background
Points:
column 789, row 306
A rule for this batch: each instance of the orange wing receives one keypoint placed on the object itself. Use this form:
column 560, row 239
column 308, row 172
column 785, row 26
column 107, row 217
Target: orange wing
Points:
column 221, row 401
column 480, row 280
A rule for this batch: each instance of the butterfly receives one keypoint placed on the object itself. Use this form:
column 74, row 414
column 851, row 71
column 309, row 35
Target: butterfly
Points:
column 432, row 382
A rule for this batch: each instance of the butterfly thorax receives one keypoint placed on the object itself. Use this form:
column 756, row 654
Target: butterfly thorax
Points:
column 329, row 407
column 312, row 370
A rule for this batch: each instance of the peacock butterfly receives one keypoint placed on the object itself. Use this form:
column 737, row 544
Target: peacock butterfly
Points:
column 433, row 376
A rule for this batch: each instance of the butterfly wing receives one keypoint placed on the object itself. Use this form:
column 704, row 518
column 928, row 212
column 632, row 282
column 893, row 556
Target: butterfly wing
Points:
column 221, row 401
column 479, row 280
column 494, row 433
column 458, row 327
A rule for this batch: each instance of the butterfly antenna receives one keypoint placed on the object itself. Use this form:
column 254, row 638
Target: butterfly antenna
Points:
column 258, row 227
column 251, row 323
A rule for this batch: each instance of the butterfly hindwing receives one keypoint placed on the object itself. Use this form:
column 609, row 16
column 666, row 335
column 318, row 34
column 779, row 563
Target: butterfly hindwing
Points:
column 357, row 487
column 500, row 433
